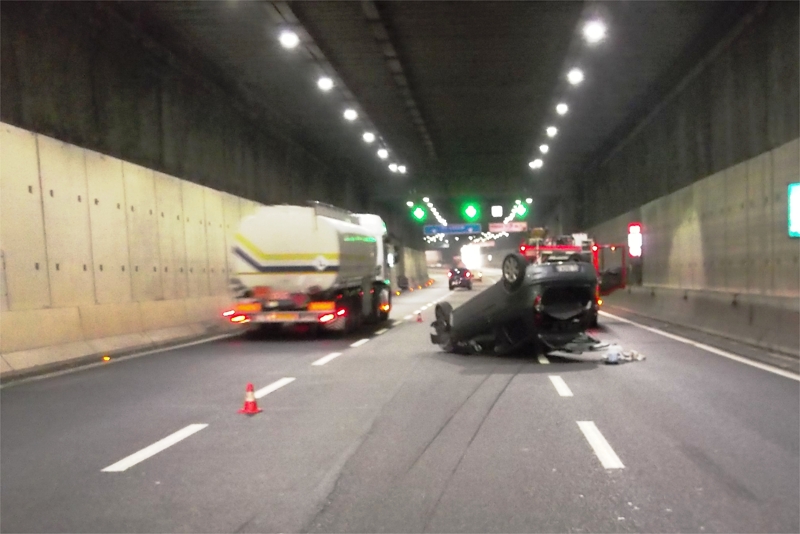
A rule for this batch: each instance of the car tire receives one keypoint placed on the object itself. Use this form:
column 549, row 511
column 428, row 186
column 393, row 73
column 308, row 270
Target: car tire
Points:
column 451, row 288
column 444, row 313
column 513, row 271
column 593, row 322
column 469, row 286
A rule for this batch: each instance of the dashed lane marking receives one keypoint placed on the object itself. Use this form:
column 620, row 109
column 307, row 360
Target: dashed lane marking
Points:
column 360, row 342
column 381, row 331
column 408, row 317
column 326, row 359
column 601, row 448
column 561, row 386
column 154, row 449
column 703, row 346
column 543, row 360
column 278, row 384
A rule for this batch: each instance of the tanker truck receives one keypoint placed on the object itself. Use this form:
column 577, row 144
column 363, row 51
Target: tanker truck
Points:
column 316, row 265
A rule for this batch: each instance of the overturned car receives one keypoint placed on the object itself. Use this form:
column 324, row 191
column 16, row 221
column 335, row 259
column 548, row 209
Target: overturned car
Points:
column 549, row 305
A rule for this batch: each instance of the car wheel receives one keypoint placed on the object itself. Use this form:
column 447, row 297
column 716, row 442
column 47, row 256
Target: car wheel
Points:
column 451, row 288
column 514, row 266
column 444, row 314
column 593, row 322
column 469, row 286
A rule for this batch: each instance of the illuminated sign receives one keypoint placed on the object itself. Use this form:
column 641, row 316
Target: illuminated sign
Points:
column 635, row 239
column 793, row 197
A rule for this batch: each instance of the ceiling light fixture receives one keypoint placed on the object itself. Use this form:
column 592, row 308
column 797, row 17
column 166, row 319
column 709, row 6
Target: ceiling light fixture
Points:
column 594, row 31
column 410, row 204
column 350, row 114
column 393, row 167
column 535, row 164
column 368, row 137
column 552, row 131
column 383, row 153
column 575, row 76
column 562, row 109
column 426, row 199
column 544, row 149
column 325, row 83
column 529, row 200
column 289, row 39
column 402, row 169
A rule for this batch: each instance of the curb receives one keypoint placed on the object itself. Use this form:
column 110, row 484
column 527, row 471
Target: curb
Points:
column 94, row 359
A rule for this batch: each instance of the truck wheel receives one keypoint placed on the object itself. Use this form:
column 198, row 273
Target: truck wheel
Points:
column 514, row 266
column 382, row 296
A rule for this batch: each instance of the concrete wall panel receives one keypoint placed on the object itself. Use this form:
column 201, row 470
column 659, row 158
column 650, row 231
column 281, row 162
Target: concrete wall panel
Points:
column 109, row 231
column 736, row 226
column 759, row 206
column 786, row 170
column 215, row 239
column 171, row 247
column 143, row 232
column 108, row 320
column 24, row 253
column 29, row 329
column 194, row 229
column 66, row 216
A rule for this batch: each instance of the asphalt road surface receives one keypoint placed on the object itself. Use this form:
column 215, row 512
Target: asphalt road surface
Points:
column 386, row 433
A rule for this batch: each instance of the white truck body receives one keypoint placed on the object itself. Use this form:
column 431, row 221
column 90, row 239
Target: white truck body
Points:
column 301, row 263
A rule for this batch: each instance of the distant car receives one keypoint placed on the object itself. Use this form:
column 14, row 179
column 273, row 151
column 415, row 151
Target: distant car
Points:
column 459, row 277
column 477, row 276
column 549, row 304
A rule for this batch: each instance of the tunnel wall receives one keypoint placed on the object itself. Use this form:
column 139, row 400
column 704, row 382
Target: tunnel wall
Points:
column 76, row 72
column 739, row 102
column 717, row 254
column 706, row 172
column 100, row 254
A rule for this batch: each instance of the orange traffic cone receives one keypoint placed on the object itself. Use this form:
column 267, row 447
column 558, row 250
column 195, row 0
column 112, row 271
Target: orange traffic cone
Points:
column 419, row 317
column 250, row 406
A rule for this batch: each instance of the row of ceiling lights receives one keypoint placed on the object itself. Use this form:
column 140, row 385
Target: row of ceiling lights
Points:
column 433, row 209
column 594, row 31
column 290, row 40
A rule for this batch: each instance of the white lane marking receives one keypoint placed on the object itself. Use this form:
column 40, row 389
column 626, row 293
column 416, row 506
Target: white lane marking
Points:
column 601, row 448
column 326, row 359
column 359, row 342
column 561, row 386
column 155, row 448
column 381, row 331
column 416, row 312
column 543, row 360
column 703, row 346
column 278, row 384
column 408, row 317
column 424, row 307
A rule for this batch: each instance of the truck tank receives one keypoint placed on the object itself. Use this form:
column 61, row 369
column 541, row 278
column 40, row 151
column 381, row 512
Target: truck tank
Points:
column 296, row 249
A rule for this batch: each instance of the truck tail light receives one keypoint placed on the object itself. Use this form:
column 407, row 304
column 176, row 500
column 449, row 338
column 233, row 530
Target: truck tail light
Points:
column 322, row 306
column 328, row 317
column 228, row 313
column 341, row 313
column 385, row 307
column 241, row 319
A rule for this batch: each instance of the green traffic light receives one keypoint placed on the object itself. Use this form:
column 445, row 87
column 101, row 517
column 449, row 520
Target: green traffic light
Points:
column 418, row 213
column 471, row 212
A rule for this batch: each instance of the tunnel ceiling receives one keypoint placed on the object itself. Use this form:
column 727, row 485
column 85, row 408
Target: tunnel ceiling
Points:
column 460, row 92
